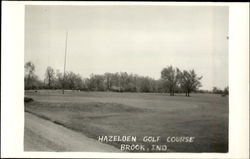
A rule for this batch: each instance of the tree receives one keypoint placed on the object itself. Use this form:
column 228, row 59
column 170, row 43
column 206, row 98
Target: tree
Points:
column 50, row 76
column 189, row 81
column 169, row 77
column 115, row 80
column 30, row 79
column 74, row 81
column 124, row 81
column 96, row 83
column 29, row 73
column 70, row 80
column 217, row 90
column 59, row 80
column 108, row 81
column 226, row 90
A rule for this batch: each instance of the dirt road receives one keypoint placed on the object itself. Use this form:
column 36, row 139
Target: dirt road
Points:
column 43, row 135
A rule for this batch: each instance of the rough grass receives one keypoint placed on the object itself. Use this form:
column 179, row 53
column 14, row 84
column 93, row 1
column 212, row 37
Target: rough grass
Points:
column 202, row 116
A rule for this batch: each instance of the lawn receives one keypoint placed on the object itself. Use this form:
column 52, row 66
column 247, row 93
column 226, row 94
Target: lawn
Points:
column 201, row 116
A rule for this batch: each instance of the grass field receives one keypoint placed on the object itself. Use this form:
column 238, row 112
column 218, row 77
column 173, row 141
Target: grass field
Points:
column 203, row 116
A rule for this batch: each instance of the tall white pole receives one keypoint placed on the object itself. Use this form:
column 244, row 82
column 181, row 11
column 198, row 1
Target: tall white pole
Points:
column 65, row 56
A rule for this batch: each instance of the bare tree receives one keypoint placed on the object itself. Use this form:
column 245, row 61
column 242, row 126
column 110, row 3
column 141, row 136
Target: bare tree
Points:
column 50, row 76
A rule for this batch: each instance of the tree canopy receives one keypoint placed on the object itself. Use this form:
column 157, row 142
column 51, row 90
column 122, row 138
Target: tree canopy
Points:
column 170, row 78
column 172, row 81
column 30, row 79
column 189, row 81
column 50, row 76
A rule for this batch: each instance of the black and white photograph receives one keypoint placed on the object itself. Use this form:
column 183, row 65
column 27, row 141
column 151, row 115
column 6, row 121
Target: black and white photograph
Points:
column 126, row 78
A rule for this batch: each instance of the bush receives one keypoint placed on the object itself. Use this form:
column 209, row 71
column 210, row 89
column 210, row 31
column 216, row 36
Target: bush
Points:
column 27, row 100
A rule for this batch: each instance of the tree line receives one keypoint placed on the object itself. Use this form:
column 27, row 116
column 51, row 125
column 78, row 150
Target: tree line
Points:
column 172, row 81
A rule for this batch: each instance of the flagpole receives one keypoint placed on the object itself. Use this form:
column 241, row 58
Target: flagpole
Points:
column 65, row 56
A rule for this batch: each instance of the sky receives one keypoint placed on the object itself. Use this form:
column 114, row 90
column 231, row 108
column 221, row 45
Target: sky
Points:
column 138, row 39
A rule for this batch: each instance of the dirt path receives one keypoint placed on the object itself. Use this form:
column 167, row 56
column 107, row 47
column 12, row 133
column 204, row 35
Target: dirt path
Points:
column 43, row 135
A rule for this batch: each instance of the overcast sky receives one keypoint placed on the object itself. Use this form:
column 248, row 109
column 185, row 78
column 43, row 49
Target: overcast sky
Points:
column 135, row 39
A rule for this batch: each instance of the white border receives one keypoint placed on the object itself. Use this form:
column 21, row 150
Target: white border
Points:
column 12, row 111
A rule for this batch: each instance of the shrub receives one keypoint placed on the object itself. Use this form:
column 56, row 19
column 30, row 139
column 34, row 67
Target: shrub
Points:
column 27, row 99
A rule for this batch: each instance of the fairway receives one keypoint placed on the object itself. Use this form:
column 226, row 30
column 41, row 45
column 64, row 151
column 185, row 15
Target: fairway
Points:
column 201, row 116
